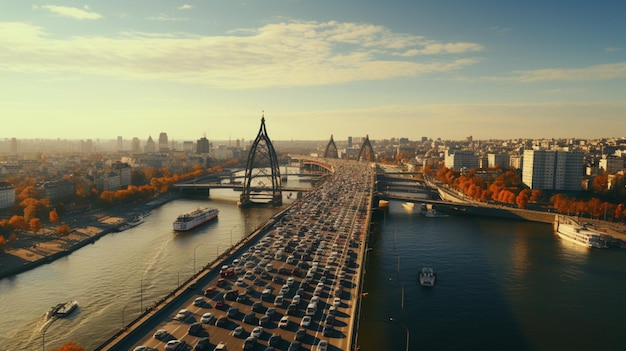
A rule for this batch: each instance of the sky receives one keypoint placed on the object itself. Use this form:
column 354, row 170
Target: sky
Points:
column 449, row 69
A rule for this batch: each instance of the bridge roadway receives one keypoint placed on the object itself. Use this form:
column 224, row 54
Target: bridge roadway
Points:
column 315, row 249
column 234, row 186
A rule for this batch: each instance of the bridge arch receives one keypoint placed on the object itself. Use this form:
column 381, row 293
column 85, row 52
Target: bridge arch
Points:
column 262, row 169
column 367, row 152
column 331, row 149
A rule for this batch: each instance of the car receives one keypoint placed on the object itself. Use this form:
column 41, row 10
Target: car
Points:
column 144, row 348
column 284, row 322
column 220, row 347
column 259, row 282
column 161, row 334
column 249, row 343
column 209, row 291
column 195, row 329
column 221, row 322
column 232, row 312
column 242, row 297
column 219, row 303
column 257, row 306
column 264, row 321
column 249, row 318
column 332, row 310
column 306, row 321
column 278, row 301
column 292, row 308
column 238, row 332
column 231, row 294
column 322, row 346
column 296, row 299
column 182, row 314
column 198, row 301
column 294, row 346
column 336, row 302
column 174, row 345
column 330, row 319
column 202, row 345
column 207, row 318
column 284, row 289
column 328, row 330
column 300, row 334
column 256, row 332
column 240, row 282
column 270, row 311
column 290, row 281
column 249, row 289
column 274, row 340
column 220, row 282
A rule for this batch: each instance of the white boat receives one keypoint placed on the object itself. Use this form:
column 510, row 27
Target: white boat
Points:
column 427, row 277
column 63, row 309
column 135, row 222
column 429, row 211
column 195, row 218
column 408, row 205
column 580, row 235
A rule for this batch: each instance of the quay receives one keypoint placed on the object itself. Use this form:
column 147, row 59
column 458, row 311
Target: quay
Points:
column 294, row 282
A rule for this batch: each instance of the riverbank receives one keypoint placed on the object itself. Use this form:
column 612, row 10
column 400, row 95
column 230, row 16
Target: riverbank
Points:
column 31, row 250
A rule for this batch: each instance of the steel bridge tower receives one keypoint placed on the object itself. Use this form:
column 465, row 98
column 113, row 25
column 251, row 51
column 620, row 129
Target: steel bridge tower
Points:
column 331, row 149
column 367, row 152
column 262, row 184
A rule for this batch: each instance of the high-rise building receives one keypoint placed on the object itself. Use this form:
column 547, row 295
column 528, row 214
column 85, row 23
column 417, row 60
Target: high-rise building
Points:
column 611, row 164
column 120, row 144
column 13, row 146
column 501, row 159
column 150, row 145
column 163, row 143
column 202, row 146
column 135, row 146
column 553, row 170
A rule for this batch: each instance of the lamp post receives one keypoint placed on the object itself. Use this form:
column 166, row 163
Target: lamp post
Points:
column 406, row 328
column 231, row 235
column 194, row 257
column 402, row 291
column 141, row 297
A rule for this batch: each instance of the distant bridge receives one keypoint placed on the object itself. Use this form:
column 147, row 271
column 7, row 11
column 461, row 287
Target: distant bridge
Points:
column 234, row 186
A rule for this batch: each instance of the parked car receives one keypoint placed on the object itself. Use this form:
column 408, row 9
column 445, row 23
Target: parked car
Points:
column 195, row 329
column 182, row 314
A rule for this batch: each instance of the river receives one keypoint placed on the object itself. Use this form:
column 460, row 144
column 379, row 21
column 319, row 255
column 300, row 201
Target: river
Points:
column 502, row 285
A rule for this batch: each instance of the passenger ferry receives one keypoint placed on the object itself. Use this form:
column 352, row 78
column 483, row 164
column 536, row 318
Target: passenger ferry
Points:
column 579, row 234
column 195, row 218
column 427, row 277
column 63, row 309
column 429, row 211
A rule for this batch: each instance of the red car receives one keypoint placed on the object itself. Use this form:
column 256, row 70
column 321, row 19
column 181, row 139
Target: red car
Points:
column 220, row 282
column 219, row 303
column 209, row 291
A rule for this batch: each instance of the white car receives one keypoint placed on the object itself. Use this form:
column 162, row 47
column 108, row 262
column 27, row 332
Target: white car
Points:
column 284, row 322
column 306, row 321
column 198, row 301
column 322, row 346
column 256, row 332
column 182, row 314
column 174, row 345
column 207, row 318
column 337, row 302
column 296, row 299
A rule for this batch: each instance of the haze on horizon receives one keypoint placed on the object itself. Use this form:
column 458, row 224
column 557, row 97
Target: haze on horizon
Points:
column 403, row 68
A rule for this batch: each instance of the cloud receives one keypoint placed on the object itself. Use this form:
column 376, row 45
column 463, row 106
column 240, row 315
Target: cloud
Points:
column 499, row 30
column 597, row 72
column 72, row 12
column 168, row 18
column 612, row 49
column 279, row 54
column 185, row 7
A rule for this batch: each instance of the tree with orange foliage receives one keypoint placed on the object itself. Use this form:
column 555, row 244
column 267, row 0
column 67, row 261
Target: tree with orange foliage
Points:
column 35, row 224
column 17, row 222
column 70, row 346
column 600, row 183
column 535, row 195
column 107, row 196
column 522, row 198
column 3, row 242
column 63, row 229
column 53, row 216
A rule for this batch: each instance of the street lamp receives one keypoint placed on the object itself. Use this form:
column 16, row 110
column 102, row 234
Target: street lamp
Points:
column 402, row 290
column 406, row 328
column 231, row 235
column 194, row 257
column 43, row 335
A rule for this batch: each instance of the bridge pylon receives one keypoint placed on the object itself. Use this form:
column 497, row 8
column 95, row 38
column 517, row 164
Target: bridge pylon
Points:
column 331, row 149
column 262, row 183
column 367, row 152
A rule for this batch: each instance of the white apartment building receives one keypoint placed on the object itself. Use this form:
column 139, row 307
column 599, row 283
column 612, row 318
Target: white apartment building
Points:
column 501, row 159
column 611, row 164
column 7, row 195
column 455, row 159
column 553, row 170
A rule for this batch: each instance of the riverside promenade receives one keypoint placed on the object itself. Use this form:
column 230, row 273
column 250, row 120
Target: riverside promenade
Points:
column 31, row 250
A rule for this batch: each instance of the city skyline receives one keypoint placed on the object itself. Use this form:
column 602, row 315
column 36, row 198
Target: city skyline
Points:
column 442, row 69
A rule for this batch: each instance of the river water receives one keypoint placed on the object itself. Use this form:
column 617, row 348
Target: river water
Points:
column 502, row 285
